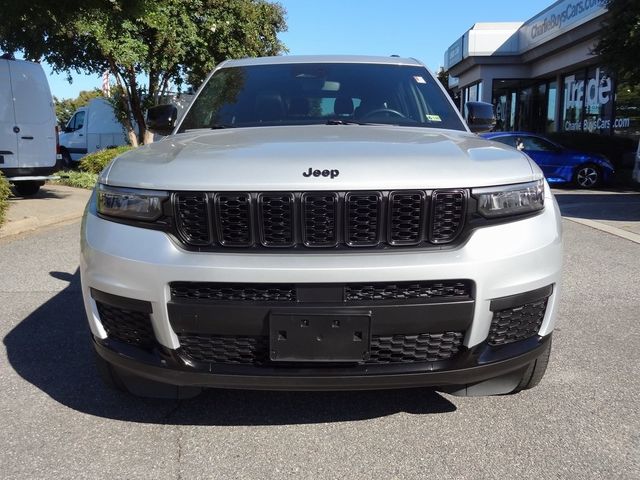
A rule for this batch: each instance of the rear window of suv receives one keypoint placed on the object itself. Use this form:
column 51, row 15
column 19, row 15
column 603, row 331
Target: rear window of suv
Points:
column 302, row 94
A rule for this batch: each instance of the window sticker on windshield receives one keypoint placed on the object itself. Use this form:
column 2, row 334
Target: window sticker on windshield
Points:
column 419, row 79
column 433, row 118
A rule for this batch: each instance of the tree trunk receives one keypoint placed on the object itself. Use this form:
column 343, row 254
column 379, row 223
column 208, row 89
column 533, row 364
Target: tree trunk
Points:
column 147, row 137
column 133, row 138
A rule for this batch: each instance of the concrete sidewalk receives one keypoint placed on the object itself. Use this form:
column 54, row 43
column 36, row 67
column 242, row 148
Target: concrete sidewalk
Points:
column 53, row 204
column 613, row 211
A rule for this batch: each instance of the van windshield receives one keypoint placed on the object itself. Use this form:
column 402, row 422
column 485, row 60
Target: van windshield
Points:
column 315, row 93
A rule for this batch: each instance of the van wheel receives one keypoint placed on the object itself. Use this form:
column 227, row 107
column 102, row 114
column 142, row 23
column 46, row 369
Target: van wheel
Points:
column 535, row 371
column 67, row 163
column 26, row 189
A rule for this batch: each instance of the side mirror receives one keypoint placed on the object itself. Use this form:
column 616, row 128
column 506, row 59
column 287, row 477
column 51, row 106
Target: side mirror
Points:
column 480, row 116
column 67, row 129
column 162, row 118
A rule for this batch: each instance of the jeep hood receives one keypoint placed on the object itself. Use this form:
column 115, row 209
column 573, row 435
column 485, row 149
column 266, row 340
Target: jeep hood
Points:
column 367, row 157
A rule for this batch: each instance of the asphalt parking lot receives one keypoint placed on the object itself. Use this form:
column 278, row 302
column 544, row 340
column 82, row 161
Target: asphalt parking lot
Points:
column 58, row 421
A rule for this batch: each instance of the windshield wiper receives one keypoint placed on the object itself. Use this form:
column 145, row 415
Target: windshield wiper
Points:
column 217, row 126
column 337, row 121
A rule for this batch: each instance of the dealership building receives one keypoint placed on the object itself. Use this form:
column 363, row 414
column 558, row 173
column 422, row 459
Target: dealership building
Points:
column 542, row 75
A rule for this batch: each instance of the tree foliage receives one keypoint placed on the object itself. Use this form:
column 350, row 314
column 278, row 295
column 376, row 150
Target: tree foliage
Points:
column 620, row 40
column 65, row 107
column 147, row 45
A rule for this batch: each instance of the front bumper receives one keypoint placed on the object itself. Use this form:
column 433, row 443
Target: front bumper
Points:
column 500, row 261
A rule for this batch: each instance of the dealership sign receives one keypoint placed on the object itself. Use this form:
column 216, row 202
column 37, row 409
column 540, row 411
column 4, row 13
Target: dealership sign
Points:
column 595, row 95
column 558, row 19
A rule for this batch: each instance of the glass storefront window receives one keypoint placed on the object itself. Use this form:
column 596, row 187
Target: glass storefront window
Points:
column 573, row 100
column 598, row 101
column 627, row 113
column 552, row 102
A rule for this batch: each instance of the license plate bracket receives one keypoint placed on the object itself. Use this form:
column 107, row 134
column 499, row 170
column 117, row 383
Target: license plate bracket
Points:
column 319, row 337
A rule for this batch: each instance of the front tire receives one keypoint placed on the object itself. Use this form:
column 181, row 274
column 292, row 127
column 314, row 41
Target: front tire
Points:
column 535, row 371
column 125, row 382
column 587, row 176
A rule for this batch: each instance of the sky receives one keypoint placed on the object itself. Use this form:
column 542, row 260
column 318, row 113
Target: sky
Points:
column 422, row 29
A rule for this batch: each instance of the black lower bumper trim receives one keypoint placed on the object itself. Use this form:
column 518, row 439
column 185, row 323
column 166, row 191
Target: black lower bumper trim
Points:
column 28, row 171
column 481, row 363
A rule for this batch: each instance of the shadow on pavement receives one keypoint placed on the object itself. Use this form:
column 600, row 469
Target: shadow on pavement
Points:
column 51, row 349
column 43, row 194
column 600, row 205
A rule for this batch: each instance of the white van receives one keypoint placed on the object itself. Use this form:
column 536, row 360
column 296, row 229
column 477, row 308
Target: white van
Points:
column 91, row 128
column 27, row 125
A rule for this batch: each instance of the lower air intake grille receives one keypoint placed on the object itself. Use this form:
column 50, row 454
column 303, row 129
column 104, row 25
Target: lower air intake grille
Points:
column 126, row 325
column 230, row 292
column 225, row 349
column 254, row 350
column 517, row 323
column 428, row 347
column 407, row 290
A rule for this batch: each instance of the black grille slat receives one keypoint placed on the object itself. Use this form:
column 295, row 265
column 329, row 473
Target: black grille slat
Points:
column 192, row 218
column 407, row 290
column 254, row 350
column 362, row 219
column 428, row 347
column 126, row 325
column 406, row 218
column 517, row 323
column 230, row 292
column 320, row 219
column 447, row 217
column 276, row 219
column 233, row 214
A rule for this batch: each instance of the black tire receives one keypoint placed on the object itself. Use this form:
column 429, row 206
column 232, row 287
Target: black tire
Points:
column 67, row 163
column 28, row 188
column 587, row 176
column 108, row 375
column 535, row 371
column 125, row 382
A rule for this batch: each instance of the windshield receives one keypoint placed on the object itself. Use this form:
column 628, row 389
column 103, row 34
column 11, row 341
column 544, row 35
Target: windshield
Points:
column 313, row 93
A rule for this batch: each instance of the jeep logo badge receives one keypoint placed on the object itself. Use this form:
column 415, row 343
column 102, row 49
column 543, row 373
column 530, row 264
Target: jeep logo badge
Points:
column 323, row 173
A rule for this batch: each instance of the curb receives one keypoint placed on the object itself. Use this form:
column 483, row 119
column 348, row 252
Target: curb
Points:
column 603, row 227
column 29, row 224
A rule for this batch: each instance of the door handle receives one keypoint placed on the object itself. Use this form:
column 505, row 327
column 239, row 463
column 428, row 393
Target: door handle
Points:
column 80, row 135
column 27, row 138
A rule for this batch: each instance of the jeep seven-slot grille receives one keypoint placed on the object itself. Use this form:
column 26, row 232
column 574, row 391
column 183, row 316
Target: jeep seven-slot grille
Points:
column 319, row 219
column 254, row 350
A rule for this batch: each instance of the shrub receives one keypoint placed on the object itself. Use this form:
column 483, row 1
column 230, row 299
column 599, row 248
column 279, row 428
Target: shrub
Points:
column 96, row 162
column 5, row 191
column 73, row 178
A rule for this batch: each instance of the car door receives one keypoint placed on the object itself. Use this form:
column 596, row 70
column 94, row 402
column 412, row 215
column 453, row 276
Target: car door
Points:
column 76, row 140
column 546, row 154
column 8, row 138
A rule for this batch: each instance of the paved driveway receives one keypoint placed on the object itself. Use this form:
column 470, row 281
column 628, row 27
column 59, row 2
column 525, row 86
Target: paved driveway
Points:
column 58, row 421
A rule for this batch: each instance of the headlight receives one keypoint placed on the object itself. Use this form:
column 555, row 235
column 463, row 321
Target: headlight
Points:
column 510, row 199
column 130, row 203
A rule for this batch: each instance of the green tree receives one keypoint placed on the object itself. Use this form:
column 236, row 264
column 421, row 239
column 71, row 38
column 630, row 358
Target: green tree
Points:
column 65, row 107
column 147, row 45
column 620, row 40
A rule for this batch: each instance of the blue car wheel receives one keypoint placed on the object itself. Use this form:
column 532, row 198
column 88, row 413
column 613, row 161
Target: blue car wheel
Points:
column 587, row 176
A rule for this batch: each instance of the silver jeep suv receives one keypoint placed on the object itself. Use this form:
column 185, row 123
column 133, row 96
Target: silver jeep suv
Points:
column 321, row 223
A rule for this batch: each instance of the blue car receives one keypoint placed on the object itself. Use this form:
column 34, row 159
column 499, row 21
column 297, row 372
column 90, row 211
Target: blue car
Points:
column 559, row 164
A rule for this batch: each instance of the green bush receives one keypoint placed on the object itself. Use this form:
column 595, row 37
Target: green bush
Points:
column 5, row 191
column 74, row 178
column 96, row 161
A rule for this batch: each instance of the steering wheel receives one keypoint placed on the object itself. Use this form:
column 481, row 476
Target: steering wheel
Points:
column 384, row 110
